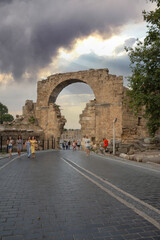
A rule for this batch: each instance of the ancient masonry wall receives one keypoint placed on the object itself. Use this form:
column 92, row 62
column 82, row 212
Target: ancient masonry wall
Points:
column 96, row 119
column 71, row 134
column 88, row 120
column 133, row 127
column 108, row 91
column 53, row 121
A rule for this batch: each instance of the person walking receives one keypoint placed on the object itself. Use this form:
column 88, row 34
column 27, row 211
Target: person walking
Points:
column 66, row 145
column 83, row 143
column 87, row 145
column 33, row 146
column 69, row 144
column 28, row 146
column 74, row 145
column 105, row 141
column 78, row 144
column 19, row 145
column 10, row 146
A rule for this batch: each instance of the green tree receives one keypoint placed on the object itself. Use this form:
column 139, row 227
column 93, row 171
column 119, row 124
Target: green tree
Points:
column 4, row 116
column 3, row 110
column 31, row 119
column 144, row 83
column 7, row 117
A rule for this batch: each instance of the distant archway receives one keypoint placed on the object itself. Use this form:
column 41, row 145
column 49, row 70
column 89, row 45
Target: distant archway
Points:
column 72, row 101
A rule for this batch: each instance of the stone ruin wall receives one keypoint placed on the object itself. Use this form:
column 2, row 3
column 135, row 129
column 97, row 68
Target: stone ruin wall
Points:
column 88, row 121
column 133, row 128
column 51, row 116
column 27, row 125
column 107, row 89
column 96, row 119
column 71, row 134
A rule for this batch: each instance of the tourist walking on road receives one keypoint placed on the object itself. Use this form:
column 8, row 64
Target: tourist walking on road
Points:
column 69, row 144
column 83, row 147
column 105, row 144
column 28, row 146
column 33, row 146
column 78, row 144
column 74, row 145
column 10, row 146
column 66, row 145
column 19, row 145
column 87, row 145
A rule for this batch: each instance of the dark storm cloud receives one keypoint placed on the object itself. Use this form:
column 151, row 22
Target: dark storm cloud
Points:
column 5, row 2
column 32, row 31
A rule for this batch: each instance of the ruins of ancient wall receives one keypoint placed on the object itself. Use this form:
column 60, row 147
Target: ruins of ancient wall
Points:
column 88, row 120
column 133, row 127
column 71, row 134
column 108, row 91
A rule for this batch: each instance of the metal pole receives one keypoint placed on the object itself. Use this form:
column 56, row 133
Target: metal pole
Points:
column 114, row 136
column 52, row 142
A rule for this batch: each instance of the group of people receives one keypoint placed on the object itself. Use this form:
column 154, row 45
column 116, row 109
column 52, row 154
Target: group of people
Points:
column 30, row 146
column 76, row 144
column 86, row 144
column 66, row 145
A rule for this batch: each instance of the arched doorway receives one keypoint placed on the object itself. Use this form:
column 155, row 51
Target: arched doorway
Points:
column 72, row 101
column 108, row 91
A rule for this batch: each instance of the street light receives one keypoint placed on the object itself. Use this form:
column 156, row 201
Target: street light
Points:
column 114, row 135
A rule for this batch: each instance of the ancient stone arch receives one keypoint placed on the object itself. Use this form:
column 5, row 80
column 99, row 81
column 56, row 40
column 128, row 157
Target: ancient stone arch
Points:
column 108, row 91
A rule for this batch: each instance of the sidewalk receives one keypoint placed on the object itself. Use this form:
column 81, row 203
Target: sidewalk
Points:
column 150, row 156
column 6, row 155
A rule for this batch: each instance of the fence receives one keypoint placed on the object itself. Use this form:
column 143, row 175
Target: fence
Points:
column 43, row 144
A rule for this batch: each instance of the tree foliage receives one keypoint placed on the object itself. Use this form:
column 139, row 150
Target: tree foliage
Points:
column 3, row 110
column 144, row 82
column 7, row 117
column 31, row 119
column 4, row 116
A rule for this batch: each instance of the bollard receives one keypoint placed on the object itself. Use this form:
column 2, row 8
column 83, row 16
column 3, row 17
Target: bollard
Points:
column 43, row 144
column 114, row 136
column 52, row 142
column 1, row 143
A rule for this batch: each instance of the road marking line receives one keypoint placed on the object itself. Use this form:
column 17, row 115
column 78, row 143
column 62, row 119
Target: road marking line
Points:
column 133, row 165
column 129, row 205
column 10, row 161
column 119, row 189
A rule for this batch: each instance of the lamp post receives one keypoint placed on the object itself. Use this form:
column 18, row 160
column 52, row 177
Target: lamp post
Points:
column 114, row 136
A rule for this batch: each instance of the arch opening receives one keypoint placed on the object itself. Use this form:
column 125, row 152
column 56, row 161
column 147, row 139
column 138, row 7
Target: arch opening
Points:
column 57, row 90
column 72, row 101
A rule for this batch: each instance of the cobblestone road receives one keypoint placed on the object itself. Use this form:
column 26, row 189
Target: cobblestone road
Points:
column 63, row 195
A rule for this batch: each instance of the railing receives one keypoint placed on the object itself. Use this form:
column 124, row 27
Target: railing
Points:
column 42, row 144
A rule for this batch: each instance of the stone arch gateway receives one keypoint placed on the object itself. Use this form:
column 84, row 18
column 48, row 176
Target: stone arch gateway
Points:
column 108, row 91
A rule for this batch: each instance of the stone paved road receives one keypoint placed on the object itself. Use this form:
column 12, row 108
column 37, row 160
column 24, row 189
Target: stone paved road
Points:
column 63, row 195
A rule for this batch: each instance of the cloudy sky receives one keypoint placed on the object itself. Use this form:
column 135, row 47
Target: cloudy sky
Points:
column 42, row 37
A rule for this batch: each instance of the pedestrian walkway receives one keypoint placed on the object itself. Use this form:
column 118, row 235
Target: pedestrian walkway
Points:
column 67, row 196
